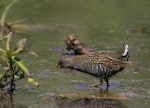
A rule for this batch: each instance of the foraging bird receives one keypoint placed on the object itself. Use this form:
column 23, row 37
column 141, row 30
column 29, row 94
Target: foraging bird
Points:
column 102, row 64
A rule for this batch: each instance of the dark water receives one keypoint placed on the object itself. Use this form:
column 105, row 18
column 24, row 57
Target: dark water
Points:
column 100, row 25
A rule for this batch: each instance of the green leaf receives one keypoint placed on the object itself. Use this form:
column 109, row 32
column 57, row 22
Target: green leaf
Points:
column 31, row 80
column 4, row 38
column 2, row 50
column 21, row 65
column 3, row 57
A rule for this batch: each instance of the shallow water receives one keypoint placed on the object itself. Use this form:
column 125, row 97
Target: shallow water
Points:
column 100, row 25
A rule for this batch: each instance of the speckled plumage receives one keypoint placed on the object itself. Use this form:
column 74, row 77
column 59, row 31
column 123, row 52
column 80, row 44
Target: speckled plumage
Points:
column 102, row 64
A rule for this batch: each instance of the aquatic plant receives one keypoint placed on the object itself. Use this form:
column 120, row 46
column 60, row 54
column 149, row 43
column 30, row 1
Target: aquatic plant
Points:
column 3, row 16
column 14, row 67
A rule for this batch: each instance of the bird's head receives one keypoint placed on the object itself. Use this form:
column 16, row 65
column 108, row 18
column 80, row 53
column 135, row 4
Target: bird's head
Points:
column 64, row 62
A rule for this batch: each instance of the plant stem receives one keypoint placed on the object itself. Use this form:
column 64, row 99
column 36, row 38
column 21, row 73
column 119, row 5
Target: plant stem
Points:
column 12, row 84
column 4, row 16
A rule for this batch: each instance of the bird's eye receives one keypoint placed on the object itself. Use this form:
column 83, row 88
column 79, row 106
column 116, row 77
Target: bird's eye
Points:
column 60, row 63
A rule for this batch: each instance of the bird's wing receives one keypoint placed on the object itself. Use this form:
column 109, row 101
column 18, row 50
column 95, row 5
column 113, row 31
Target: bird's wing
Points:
column 110, row 63
column 116, row 64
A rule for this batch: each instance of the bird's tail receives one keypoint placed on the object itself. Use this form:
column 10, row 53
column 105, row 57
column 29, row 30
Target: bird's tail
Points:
column 127, row 63
column 125, row 48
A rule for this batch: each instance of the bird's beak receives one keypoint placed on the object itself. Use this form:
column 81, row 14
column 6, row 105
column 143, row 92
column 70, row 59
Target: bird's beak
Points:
column 58, row 67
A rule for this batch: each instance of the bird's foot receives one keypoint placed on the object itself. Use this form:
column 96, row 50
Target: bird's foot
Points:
column 95, row 85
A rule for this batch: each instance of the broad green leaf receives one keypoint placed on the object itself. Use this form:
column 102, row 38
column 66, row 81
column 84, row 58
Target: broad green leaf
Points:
column 31, row 80
column 21, row 65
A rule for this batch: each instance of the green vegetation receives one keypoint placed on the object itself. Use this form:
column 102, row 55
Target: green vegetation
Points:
column 14, row 67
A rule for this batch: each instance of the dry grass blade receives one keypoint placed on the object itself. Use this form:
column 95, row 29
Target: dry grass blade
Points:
column 8, row 41
column 21, row 44
column 18, row 21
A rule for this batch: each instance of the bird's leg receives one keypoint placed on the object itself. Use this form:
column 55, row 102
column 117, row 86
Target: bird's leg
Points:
column 97, row 84
column 106, row 80
column 106, row 89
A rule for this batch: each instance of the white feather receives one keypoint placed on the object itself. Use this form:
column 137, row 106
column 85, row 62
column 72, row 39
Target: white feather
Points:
column 125, row 50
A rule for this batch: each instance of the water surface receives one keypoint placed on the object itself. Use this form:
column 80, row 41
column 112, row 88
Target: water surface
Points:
column 100, row 25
